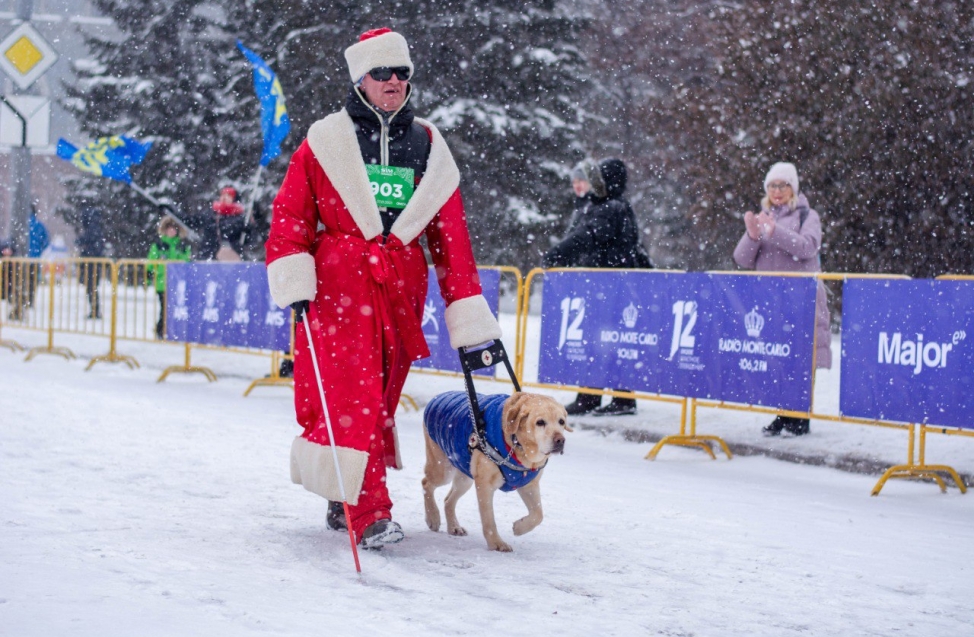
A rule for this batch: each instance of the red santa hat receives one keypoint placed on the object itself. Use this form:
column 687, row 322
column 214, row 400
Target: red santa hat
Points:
column 376, row 48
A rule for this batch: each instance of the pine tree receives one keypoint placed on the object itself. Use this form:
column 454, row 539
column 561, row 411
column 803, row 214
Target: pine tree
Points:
column 499, row 79
column 166, row 80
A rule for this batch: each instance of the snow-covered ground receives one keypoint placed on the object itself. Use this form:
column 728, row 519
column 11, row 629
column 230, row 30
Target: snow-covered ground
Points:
column 133, row 507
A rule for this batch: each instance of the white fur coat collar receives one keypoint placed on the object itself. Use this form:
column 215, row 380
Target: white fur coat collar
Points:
column 333, row 142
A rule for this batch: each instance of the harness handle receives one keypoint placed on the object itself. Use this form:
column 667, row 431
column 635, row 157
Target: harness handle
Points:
column 471, row 360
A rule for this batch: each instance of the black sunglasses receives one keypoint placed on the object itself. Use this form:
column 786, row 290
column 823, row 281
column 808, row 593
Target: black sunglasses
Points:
column 384, row 73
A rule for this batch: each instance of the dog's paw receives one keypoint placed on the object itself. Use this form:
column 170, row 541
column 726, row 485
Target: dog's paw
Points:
column 501, row 546
column 523, row 526
column 433, row 520
column 459, row 531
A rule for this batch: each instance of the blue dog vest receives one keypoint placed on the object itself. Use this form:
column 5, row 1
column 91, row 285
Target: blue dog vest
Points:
column 448, row 421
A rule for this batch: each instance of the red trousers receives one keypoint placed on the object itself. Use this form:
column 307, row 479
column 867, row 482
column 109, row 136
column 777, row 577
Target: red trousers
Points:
column 373, row 501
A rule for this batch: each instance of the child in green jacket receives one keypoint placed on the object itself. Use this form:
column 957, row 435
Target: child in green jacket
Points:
column 171, row 246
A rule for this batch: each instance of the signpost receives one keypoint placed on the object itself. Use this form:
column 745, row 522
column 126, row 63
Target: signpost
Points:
column 24, row 56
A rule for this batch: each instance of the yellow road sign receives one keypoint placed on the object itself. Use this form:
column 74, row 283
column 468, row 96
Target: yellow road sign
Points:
column 25, row 55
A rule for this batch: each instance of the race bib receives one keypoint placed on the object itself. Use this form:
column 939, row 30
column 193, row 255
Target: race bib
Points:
column 392, row 186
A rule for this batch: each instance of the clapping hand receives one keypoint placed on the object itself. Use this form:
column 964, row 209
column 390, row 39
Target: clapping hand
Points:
column 765, row 223
column 751, row 223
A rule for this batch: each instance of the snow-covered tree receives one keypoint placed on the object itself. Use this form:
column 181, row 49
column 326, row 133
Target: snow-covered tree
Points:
column 165, row 79
column 501, row 79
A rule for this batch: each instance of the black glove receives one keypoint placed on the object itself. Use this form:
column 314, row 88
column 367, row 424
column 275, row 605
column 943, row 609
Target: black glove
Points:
column 300, row 307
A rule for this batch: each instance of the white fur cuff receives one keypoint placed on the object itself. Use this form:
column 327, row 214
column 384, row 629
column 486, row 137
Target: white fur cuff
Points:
column 292, row 278
column 470, row 322
column 313, row 466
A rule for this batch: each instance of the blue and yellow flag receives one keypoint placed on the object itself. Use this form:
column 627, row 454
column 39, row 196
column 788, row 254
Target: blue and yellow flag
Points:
column 106, row 157
column 273, row 119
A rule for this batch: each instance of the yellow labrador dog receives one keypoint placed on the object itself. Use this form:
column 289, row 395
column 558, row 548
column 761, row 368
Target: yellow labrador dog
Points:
column 523, row 430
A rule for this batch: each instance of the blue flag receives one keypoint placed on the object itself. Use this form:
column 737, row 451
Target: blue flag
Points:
column 273, row 119
column 109, row 157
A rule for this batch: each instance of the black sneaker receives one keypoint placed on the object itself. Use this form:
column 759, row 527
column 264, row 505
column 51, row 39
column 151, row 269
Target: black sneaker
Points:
column 583, row 404
column 797, row 426
column 618, row 407
column 380, row 533
column 774, row 429
column 336, row 516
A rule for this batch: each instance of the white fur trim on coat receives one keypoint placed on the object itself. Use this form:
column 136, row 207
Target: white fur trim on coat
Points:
column 334, row 143
column 313, row 466
column 292, row 278
column 470, row 322
column 388, row 49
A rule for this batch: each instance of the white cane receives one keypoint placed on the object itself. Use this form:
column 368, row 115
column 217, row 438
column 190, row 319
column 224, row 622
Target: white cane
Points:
column 331, row 438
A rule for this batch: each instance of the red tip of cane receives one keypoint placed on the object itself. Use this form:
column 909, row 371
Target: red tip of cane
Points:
column 351, row 537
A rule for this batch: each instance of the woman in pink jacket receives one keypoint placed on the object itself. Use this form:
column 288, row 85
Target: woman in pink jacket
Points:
column 786, row 236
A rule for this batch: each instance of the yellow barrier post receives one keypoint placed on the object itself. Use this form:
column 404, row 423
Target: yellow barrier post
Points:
column 50, row 348
column 275, row 379
column 13, row 346
column 692, row 439
column 6, row 290
column 920, row 470
column 187, row 368
column 113, row 356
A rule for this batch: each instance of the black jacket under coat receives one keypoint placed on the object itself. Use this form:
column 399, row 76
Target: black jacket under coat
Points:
column 409, row 143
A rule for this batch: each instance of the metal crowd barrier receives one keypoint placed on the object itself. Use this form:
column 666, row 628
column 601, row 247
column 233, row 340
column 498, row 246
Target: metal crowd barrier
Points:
column 915, row 466
column 118, row 300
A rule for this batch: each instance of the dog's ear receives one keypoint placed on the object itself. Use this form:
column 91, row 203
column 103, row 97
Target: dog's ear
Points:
column 515, row 406
column 566, row 426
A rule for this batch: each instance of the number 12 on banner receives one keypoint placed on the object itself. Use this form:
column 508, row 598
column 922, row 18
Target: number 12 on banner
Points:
column 683, row 335
column 572, row 332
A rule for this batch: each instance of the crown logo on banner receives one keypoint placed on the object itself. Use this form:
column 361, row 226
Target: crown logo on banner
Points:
column 753, row 323
column 629, row 315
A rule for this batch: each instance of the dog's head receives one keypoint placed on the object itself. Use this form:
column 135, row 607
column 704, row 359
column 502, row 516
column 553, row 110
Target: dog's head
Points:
column 535, row 426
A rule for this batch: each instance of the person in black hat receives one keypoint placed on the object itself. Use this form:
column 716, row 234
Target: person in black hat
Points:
column 602, row 234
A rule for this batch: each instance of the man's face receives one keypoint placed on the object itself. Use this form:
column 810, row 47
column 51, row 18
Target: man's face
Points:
column 387, row 96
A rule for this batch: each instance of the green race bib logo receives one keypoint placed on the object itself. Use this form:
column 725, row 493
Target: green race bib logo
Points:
column 392, row 186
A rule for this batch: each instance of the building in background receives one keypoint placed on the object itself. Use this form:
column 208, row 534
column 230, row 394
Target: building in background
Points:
column 61, row 23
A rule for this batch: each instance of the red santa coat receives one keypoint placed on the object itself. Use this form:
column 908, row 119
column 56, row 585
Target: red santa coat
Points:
column 367, row 294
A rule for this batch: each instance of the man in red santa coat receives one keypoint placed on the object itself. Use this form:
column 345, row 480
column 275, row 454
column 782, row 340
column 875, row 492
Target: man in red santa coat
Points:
column 374, row 178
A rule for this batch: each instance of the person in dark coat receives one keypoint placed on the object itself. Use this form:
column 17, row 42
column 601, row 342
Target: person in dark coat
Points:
column 602, row 234
column 91, row 245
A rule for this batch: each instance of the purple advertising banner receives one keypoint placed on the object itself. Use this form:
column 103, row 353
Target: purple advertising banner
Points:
column 442, row 356
column 905, row 353
column 764, row 340
column 736, row 338
column 223, row 304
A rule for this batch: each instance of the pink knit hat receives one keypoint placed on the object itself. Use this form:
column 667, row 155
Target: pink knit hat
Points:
column 377, row 48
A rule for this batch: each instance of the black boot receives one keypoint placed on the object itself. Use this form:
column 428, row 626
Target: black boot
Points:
column 380, row 533
column 774, row 429
column 797, row 426
column 618, row 407
column 336, row 516
column 287, row 368
column 584, row 403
